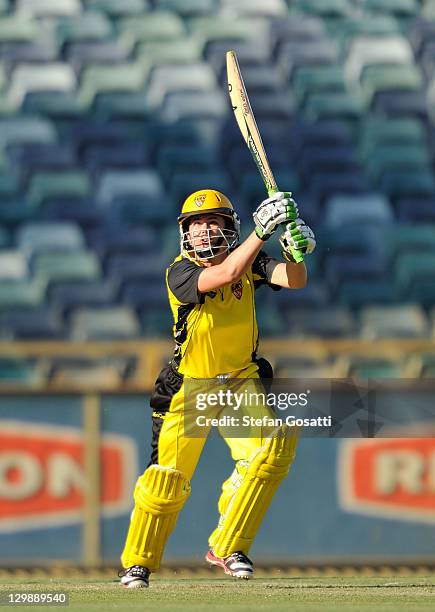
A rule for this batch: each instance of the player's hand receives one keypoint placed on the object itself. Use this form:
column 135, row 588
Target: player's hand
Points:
column 298, row 237
column 280, row 208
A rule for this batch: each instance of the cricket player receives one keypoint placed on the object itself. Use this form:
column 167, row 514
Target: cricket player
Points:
column 211, row 288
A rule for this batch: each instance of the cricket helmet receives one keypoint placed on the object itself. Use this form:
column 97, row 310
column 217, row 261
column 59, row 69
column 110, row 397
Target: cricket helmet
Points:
column 203, row 202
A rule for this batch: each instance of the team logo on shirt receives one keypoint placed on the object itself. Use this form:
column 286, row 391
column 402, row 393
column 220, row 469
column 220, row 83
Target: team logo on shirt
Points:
column 237, row 289
column 199, row 200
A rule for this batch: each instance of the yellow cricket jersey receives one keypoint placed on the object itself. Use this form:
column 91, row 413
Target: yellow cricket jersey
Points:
column 215, row 332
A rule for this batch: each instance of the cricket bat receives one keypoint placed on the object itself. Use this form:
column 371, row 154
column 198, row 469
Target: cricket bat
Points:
column 248, row 126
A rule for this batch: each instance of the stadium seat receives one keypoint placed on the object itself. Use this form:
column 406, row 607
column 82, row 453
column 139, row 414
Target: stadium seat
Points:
column 362, row 292
column 397, row 157
column 377, row 80
column 220, row 27
column 177, row 51
column 127, row 266
column 333, row 105
column 5, row 238
column 87, row 372
column 353, row 267
column 366, row 25
column 81, row 211
column 422, row 291
column 106, row 323
column 314, row 79
column 402, row 103
column 81, row 54
column 416, row 210
column 365, row 51
column 39, row 324
column 353, row 183
column 127, row 183
column 187, row 8
column 376, row 131
column 395, row 321
column 34, row 156
column 166, row 79
column 323, row 321
column 16, row 130
column 69, row 183
column 116, row 9
column 66, row 266
column 271, row 321
column 327, row 159
column 324, row 8
column 408, row 183
column 121, row 156
column 18, row 28
column 37, row 237
column 371, row 208
column 171, row 158
column 71, row 294
column 97, row 79
column 185, row 182
column 56, row 105
column 13, row 265
column 156, row 323
column 48, row 8
column 294, row 54
column 156, row 25
column 399, row 8
column 21, row 294
column 147, row 294
column 185, row 104
column 402, row 238
column 412, row 266
column 237, row 8
column 90, row 25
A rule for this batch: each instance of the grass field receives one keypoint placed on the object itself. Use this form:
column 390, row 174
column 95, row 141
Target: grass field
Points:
column 326, row 594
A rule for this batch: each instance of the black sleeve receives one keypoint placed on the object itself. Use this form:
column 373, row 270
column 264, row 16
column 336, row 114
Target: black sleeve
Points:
column 183, row 281
column 262, row 269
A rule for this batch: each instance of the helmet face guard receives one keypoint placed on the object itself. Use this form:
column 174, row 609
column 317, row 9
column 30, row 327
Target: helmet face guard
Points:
column 216, row 243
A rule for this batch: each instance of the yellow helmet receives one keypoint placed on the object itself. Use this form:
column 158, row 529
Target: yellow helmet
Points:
column 207, row 201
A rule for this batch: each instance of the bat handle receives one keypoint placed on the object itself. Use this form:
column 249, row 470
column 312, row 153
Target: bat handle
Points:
column 298, row 256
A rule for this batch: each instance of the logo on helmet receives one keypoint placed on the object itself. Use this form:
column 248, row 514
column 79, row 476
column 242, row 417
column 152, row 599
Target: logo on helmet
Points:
column 237, row 289
column 199, row 200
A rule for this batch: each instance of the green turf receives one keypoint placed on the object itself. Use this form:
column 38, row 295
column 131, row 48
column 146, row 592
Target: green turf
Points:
column 307, row 594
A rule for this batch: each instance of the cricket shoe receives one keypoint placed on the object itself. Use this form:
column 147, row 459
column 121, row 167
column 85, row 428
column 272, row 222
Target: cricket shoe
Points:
column 135, row 577
column 237, row 564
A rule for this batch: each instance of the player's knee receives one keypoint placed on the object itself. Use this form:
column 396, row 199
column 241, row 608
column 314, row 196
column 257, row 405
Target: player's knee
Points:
column 272, row 461
column 161, row 490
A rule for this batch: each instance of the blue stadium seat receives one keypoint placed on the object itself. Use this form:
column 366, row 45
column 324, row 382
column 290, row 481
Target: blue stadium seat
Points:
column 344, row 184
column 130, row 266
column 370, row 208
column 395, row 321
column 37, row 237
column 144, row 184
column 105, row 323
column 72, row 294
column 180, row 105
column 294, row 54
column 353, row 267
column 81, row 54
column 116, row 9
column 98, row 158
column 39, row 324
column 47, row 8
column 13, row 265
column 416, row 210
column 359, row 292
column 146, row 294
column 327, row 322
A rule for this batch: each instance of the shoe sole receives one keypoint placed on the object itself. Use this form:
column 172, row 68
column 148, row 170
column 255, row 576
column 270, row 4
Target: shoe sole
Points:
column 244, row 576
column 135, row 584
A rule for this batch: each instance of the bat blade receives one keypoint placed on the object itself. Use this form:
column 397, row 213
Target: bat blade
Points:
column 246, row 121
column 248, row 126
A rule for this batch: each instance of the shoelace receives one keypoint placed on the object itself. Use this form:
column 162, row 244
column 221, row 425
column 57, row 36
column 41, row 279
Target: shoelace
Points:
column 240, row 558
column 137, row 571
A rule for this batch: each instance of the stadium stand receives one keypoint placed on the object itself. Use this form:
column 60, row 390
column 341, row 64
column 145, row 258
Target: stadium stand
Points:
column 112, row 112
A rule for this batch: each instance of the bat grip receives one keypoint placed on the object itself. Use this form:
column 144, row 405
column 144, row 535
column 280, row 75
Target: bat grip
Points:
column 298, row 256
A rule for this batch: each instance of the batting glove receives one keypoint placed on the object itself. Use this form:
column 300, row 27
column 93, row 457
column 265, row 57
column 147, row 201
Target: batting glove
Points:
column 280, row 208
column 298, row 237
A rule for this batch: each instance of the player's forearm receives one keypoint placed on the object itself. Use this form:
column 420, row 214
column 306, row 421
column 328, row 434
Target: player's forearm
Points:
column 290, row 275
column 233, row 267
column 238, row 262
